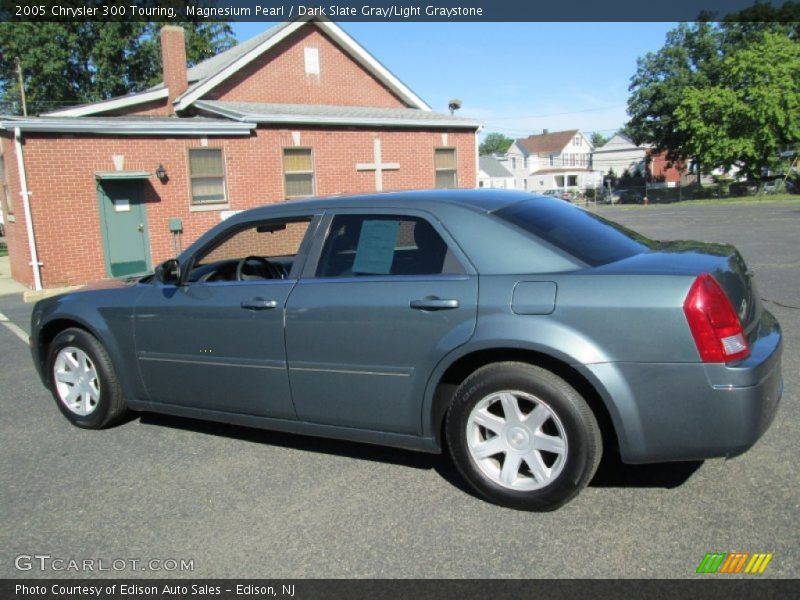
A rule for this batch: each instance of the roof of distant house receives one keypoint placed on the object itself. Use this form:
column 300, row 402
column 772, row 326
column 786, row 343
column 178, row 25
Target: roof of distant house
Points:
column 545, row 143
column 620, row 143
column 493, row 167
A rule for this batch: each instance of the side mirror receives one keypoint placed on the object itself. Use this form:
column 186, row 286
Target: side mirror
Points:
column 169, row 272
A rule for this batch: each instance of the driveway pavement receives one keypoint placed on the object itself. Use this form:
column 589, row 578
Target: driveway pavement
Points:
column 240, row 502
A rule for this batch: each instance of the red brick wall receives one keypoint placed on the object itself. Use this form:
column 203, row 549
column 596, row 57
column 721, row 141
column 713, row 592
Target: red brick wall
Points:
column 663, row 170
column 157, row 108
column 16, row 236
column 173, row 60
column 279, row 76
column 64, row 198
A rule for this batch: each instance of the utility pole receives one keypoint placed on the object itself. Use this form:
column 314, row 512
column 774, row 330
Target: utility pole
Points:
column 21, row 89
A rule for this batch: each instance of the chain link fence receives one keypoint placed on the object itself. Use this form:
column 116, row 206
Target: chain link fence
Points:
column 641, row 194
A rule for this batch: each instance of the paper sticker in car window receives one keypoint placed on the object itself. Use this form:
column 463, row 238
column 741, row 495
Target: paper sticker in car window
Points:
column 376, row 244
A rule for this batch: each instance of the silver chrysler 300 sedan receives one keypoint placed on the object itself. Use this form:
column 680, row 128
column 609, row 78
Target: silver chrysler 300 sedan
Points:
column 522, row 333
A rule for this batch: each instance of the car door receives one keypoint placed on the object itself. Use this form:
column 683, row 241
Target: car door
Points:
column 385, row 295
column 216, row 342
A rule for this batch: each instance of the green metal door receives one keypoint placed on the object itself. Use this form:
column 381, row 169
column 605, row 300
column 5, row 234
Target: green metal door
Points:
column 123, row 220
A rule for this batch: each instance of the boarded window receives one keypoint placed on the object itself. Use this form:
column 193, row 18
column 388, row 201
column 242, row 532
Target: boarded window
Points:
column 207, row 175
column 445, row 167
column 312, row 61
column 298, row 170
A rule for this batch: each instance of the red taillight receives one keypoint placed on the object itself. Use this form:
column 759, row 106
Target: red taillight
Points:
column 715, row 327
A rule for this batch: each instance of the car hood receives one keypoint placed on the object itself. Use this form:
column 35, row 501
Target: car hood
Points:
column 107, row 284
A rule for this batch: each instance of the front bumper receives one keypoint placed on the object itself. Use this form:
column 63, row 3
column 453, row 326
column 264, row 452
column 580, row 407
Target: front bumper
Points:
column 693, row 411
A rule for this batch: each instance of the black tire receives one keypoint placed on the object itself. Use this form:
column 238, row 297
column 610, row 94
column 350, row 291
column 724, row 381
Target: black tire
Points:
column 110, row 405
column 583, row 441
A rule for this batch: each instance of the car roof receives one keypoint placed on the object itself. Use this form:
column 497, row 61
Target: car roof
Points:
column 480, row 200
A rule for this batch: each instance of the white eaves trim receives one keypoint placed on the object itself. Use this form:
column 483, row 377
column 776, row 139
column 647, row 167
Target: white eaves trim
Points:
column 112, row 104
column 179, row 128
column 353, row 48
column 334, row 120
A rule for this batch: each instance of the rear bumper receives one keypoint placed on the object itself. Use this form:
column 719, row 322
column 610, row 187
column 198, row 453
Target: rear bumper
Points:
column 692, row 411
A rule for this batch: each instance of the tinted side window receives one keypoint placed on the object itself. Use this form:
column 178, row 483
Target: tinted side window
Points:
column 586, row 236
column 359, row 245
column 271, row 246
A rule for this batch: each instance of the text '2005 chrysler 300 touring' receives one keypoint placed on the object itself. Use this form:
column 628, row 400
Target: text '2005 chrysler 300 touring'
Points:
column 524, row 334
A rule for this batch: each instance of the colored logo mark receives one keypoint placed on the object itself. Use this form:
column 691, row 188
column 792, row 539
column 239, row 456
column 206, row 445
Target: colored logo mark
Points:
column 735, row 562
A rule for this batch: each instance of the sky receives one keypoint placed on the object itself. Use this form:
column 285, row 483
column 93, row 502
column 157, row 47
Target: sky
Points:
column 516, row 78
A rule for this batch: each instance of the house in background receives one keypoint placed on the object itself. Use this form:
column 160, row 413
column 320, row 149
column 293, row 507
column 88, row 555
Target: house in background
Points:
column 666, row 173
column 621, row 154
column 558, row 160
column 299, row 110
column 493, row 174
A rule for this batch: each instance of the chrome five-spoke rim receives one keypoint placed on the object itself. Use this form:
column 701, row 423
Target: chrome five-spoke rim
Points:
column 76, row 381
column 516, row 440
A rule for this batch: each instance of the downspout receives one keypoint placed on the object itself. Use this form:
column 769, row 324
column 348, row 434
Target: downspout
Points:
column 23, row 184
column 477, row 158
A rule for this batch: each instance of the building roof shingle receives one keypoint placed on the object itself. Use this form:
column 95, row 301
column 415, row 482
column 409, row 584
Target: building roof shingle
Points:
column 546, row 143
column 493, row 167
column 259, row 112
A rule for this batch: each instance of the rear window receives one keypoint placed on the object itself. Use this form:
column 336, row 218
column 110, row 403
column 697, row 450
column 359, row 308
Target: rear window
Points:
column 584, row 235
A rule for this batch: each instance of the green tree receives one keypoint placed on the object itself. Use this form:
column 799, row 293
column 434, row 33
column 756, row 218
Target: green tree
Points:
column 751, row 113
column 691, row 69
column 690, row 58
column 762, row 17
column 75, row 62
column 598, row 139
column 495, row 143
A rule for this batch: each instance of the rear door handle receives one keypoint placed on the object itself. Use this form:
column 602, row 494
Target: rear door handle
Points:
column 433, row 304
column 259, row 304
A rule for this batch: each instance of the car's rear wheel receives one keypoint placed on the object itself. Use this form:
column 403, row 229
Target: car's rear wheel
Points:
column 522, row 436
column 83, row 381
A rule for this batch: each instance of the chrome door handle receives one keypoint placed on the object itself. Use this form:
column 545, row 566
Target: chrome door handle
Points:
column 259, row 304
column 433, row 304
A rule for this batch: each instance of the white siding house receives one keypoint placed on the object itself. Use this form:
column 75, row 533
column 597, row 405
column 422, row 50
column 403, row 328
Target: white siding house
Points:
column 552, row 161
column 493, row 174
column 620, row 154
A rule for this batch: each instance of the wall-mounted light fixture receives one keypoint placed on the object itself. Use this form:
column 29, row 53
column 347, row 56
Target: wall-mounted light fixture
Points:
column 161, row 173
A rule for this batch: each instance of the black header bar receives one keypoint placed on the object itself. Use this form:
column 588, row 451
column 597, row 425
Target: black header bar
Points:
column 395, row 11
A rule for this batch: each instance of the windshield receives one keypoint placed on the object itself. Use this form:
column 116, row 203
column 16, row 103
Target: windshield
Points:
column 588, row 237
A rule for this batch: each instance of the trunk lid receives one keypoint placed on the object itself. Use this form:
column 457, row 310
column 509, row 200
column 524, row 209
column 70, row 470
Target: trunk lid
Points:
column 722, row 261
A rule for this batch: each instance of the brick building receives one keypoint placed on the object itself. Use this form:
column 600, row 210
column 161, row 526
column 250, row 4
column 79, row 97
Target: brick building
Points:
column 301, row 109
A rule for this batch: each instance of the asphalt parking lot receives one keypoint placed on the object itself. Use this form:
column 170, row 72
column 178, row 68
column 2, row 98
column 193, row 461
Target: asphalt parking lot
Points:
column 247, row 503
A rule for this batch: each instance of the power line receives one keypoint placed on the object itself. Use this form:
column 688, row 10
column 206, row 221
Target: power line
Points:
column 558, row 114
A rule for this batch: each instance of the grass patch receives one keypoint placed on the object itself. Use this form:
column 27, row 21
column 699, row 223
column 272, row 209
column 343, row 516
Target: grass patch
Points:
column 3, row 250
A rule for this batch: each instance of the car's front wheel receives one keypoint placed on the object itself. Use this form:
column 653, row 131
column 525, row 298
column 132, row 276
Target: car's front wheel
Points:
column 83, row 381
column 522, row 436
